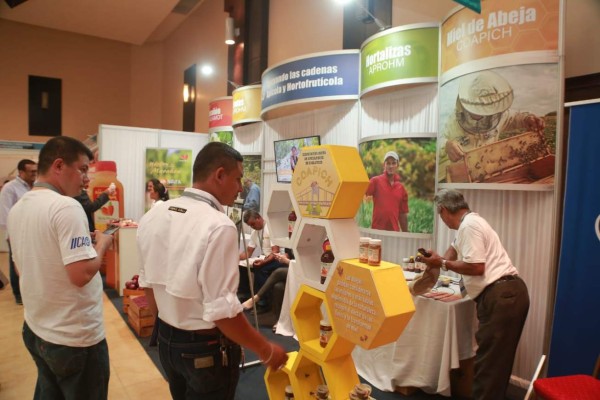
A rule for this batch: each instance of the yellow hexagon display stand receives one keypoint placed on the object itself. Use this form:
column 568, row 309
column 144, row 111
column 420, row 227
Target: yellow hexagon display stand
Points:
column 329, row 181
column 370, row 306
column 366, row 306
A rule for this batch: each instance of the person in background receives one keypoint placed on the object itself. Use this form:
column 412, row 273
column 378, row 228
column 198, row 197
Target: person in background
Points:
column 492, row 281
column 390, row 199
column 90, row 207
column 279, row 275
column 260, row 238
column 11, row 193
column 62, row 289
column 252, row 201
column 293, row 158
column 157, row 191
column 190, row 275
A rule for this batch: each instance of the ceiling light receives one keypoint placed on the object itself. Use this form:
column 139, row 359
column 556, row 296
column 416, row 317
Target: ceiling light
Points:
column 360, row 5
column 229, row 31
column 206, row 70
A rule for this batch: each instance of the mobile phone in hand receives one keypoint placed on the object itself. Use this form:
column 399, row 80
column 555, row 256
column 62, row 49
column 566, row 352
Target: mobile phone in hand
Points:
column 424, row 252
column 111, row 230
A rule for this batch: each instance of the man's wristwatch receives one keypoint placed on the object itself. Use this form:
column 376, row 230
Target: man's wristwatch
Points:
column 444, row 268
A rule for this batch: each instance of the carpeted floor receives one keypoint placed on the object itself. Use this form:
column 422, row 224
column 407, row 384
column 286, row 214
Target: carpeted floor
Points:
column 252, row 385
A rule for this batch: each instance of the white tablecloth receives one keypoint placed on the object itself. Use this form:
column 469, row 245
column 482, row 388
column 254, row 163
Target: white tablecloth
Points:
column 438, row 336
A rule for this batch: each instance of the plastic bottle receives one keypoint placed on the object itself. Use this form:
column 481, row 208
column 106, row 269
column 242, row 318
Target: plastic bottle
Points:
column 405, row 264
column 325, row 332
column 326, row 262
column 361, row 391
column 323, row 392
column 411, row 264
column 104, row 176
column 363, row 250
column 374, row 252
column 289, row 394
column 291, row 223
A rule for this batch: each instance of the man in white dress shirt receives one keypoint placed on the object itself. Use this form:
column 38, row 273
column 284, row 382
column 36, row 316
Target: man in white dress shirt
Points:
column 188, row 249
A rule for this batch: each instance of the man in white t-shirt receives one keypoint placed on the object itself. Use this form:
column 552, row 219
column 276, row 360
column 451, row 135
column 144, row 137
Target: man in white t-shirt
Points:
column 261, row 237
column 60, row 283
column 492, row 281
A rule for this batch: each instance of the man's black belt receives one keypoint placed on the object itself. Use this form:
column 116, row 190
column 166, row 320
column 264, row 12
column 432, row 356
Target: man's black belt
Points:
column 504, row 279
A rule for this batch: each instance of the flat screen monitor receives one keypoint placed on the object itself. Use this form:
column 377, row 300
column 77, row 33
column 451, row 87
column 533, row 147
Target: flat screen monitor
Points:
column 287, row 153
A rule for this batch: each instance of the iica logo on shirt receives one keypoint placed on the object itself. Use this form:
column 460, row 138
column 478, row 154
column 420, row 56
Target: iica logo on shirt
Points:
column 80, row 241
column 598, row 227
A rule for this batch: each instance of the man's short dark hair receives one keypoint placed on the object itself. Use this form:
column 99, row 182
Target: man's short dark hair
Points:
column 212, row 156
column 67, row 148
column 21, row 166
column 249, row 214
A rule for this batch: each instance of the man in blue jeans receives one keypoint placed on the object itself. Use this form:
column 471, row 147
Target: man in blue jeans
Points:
column 189, row 272
column 61, row 287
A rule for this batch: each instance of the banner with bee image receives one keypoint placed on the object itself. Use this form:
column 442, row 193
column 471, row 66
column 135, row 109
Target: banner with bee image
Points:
column 500, row 90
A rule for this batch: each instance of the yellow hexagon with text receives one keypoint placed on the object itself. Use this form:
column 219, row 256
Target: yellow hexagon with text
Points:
column 329, row 181
column 369, row 306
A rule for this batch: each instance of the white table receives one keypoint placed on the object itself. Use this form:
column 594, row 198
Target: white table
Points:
column 439, row 335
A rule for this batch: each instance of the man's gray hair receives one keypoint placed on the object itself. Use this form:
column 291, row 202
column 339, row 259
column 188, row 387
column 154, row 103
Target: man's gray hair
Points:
column 451, row 200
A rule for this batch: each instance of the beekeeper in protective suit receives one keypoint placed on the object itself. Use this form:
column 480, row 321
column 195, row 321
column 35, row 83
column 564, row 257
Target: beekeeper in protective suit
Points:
column 482, row 113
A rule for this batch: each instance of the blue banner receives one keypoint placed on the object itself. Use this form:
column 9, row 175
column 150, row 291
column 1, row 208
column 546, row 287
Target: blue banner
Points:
column 576, row 327
column 317, row 77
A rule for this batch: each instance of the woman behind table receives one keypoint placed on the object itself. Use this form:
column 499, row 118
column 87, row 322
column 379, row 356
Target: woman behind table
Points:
column 157, row 191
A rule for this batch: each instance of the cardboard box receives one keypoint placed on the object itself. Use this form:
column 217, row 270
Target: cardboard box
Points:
column 140, row 317
column 128, row 294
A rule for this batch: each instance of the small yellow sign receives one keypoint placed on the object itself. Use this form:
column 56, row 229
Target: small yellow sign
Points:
column 329, row 181
column 369, row 306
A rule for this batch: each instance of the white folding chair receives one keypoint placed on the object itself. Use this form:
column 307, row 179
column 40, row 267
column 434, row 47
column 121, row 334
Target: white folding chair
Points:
column 535, row 376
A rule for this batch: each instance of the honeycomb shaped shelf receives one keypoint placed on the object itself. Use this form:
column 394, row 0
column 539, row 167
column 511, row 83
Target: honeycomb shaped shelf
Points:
column 306, row 316
column 339, row 374
column 370, row 305
column 329, row 181
column 276, row 381
column 281, row 203
column 343, row 236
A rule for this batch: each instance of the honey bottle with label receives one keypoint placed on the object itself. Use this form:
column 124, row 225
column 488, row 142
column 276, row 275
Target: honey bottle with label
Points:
column 105, row 175
column 327, row 259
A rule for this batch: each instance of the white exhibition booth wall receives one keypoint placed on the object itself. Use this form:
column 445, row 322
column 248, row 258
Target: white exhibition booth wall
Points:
column 524, row 219
column 127, row 147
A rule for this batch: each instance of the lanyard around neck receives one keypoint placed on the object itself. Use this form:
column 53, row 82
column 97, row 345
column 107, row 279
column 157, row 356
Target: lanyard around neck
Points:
column 47, row 186
column 201, row 198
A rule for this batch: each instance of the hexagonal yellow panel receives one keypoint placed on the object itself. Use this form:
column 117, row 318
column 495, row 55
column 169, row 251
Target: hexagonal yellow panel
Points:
column 369, row 306
column 306, row 316
column 277, row 380
column 339, row 373
column 329, row 181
